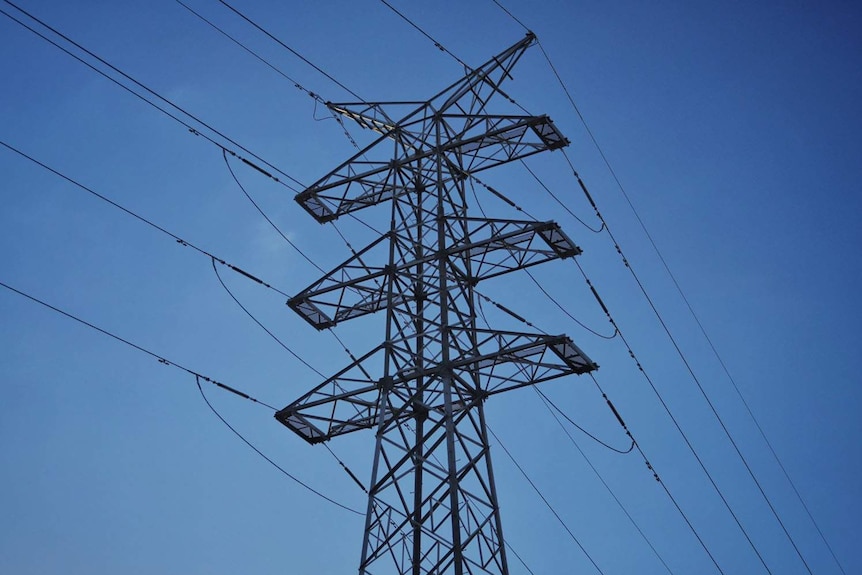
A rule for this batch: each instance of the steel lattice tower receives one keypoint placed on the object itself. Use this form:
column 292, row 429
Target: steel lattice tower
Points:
column 432, row 503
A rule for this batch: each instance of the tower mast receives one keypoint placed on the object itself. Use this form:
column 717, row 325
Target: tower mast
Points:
column 432, row 501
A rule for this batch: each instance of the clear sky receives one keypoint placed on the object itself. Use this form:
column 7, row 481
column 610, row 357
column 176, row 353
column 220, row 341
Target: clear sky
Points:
column 735, row 128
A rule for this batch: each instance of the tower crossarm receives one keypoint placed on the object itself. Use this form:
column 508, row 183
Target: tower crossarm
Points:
column 492, row 248
column 360, row 183
column 508, row 360
column 348, row 401
column 432, row 502
column 521, row 359
column 345, row 402
column 490, row 76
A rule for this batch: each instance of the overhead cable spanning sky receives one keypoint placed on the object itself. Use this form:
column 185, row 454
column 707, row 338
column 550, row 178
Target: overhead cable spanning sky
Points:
column 151, row 154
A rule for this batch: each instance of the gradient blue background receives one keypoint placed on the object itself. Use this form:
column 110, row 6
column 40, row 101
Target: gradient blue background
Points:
column 735, row 127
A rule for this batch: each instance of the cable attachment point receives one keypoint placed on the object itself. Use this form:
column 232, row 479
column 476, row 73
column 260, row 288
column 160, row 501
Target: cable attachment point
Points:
column 616, row 413
column 256, row 167
column 234, row 391
column 599, row 299
column 245, row 273
column 586, row 192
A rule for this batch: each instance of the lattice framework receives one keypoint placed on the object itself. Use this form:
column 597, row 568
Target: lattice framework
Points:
column 432, row 504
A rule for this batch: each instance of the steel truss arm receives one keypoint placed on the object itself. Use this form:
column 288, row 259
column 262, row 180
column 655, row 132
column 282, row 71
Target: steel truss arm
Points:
column 360, row 183
column 504, row 361
column 493, row 248
column 432, row 504
column 374, row 115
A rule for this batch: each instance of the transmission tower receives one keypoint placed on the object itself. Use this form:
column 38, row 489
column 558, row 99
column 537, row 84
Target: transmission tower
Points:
column 432, row 502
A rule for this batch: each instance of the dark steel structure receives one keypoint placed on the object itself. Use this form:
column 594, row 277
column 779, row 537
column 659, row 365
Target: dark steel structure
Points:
column 432, row 504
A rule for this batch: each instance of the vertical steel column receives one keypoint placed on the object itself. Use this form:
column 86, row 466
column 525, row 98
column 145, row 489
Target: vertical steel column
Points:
column 432, row 502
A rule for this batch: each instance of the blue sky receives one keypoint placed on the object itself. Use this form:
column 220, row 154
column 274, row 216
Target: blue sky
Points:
column 735, row 129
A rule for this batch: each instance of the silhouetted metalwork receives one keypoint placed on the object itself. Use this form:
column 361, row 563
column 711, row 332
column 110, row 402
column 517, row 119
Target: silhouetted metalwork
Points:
column 432, row 503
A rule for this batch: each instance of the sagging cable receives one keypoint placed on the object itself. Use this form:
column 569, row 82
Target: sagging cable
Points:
column 262, row 213
column 263, row 327
column 140, row 218
column 560, row 202
column 551, row 404
column 267, row 458
column 565, row 311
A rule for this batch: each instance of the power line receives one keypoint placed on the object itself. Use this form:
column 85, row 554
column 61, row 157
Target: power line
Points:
column 277, row 70
column 272, row 335
column 685, row 363
column 512, row 16
column 565, row 311
column 717, row 416
column 691, row 310
column 553, row 407
column 268, row 34
column 289, row 49
column 198, row 377
column 602, row 480
column 266, row 217
column 536, row 389
column 664, row 486
column 694, row 377
column 268, row 459
column 318, row 99
column 700, row 388
column 560, row 202
column 161, row 359
column 141, row 218
column 214, row 260
column 676, row 424
column 545, row 501
column 194, row 130
column 550, row 403
column 440, row 47
column 437, row 44
column 521, row 561
column 529, row 274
